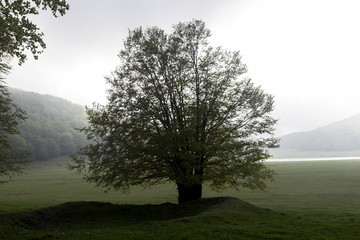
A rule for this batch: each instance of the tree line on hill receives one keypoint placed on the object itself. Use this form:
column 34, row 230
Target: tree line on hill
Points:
column 50, row 130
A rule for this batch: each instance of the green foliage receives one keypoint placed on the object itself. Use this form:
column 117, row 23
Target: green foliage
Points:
column 178, row 112
column 18, row 33
column 50, row 128
column 11, row 160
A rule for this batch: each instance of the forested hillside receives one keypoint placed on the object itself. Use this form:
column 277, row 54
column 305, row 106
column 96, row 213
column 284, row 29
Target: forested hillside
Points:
column 342, row 136
column 49, row 130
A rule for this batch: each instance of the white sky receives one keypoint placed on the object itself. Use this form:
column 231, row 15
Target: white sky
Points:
column 304, row 52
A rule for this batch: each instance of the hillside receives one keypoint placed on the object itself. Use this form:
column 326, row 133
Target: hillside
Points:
column 341, row 137
column 49, row 130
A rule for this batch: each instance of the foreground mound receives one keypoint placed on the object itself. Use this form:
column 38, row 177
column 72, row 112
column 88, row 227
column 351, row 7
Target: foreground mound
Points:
column 82, row 214
column 213, row 218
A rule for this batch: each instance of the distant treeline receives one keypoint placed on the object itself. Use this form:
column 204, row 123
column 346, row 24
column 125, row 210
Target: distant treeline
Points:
column 49, row 130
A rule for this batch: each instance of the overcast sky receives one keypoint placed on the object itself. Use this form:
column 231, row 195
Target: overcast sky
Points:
column 305, row 53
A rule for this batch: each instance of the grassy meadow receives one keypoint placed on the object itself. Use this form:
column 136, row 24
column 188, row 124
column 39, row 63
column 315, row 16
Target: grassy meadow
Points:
column 308, row 200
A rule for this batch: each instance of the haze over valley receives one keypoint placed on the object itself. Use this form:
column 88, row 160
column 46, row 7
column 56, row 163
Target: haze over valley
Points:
column 50, row 131
column 341, row 138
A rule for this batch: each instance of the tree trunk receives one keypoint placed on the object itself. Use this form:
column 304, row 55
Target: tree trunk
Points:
column 189, row 193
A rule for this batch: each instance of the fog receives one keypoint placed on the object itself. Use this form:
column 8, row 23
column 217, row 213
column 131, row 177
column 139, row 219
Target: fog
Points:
column 305, row 52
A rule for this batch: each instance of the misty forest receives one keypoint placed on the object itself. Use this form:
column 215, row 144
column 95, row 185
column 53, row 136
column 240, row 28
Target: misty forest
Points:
column 185, row 147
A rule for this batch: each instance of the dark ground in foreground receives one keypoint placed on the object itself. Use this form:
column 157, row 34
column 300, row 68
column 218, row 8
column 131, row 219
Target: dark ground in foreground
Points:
column 212, row 218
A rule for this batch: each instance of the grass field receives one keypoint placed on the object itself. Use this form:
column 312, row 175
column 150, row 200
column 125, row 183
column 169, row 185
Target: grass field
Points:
column 308, row 200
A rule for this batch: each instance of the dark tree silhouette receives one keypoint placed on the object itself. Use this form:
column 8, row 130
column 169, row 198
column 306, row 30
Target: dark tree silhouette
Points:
column 178, row 112
column 11, row 161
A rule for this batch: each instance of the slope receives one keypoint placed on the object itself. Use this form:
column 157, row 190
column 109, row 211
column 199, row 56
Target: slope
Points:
column 342, row 136
column 49, row 130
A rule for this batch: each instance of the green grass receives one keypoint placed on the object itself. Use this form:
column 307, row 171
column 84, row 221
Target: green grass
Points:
column 308, row 200
column 214, row 218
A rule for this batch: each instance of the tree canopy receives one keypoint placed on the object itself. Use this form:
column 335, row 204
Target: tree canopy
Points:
column 18, row 33
column 178, row 111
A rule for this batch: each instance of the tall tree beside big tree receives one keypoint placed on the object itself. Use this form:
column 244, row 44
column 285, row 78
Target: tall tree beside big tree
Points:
column 17, row 36
column 178, row 112
column 11, row 116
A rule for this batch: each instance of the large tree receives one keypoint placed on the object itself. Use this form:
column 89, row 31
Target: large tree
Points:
column 178, row 111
